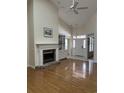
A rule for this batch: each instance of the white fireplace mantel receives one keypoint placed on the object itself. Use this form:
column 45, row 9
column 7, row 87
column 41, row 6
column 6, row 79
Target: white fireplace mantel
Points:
column 39, row 53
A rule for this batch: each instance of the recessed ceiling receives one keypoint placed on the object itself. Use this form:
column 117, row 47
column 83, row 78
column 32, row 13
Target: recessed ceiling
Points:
column 67, row 15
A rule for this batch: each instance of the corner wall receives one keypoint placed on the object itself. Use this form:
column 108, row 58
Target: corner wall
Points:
column 30, row 33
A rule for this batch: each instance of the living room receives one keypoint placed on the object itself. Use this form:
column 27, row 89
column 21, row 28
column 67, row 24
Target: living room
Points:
column 57, row 39
column 50, row 19
column 61, row 46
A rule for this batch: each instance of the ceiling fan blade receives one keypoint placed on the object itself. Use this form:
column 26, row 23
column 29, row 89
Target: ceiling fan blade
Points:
column 82, row 8
column 74, row 5
column 75, row 11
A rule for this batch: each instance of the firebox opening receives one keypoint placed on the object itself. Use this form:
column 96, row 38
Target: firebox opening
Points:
column 49, row 56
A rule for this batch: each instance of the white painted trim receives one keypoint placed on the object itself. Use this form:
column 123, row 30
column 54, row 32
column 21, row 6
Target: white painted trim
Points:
column 41, row 55
column 31, row 66
column 78, row 58
column 47, row 64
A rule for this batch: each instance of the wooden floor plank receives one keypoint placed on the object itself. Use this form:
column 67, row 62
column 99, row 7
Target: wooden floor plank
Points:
column 70, row 76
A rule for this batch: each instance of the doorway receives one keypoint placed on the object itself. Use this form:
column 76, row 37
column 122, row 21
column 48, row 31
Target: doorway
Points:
column 79, row 47
column 90, row 46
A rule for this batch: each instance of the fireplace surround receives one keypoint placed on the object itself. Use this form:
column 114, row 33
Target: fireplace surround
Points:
column 46, row 54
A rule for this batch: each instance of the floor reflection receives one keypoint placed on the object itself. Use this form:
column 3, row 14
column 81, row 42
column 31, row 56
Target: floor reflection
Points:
column 82, row 70
column 69, row 76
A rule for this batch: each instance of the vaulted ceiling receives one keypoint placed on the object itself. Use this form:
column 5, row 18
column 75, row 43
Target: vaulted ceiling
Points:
column 67, row 15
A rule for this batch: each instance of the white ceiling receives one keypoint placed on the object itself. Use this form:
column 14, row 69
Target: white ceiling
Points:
column 73, row 19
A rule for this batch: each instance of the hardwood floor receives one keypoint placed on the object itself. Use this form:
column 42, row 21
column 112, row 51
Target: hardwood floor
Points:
column 70, row 76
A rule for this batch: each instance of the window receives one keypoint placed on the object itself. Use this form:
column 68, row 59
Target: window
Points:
column 91, row 44
column 66, row 44
column 73, row 43
column 84, row 43
column 79, row 37
column 74, row 37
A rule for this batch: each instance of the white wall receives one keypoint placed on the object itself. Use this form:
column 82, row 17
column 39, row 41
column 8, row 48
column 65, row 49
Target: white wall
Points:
column 64, row 29
column 41, row 13
column 45, row 15
column 89, row 27
column 30, row 33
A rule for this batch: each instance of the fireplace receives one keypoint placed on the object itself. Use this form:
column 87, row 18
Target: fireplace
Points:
column 49, row 56
column 46, row 54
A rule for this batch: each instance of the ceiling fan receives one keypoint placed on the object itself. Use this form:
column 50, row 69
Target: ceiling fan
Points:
column 75, row 8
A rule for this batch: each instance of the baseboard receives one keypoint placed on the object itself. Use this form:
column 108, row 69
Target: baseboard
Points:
column 31, row 66
column 63, row 59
